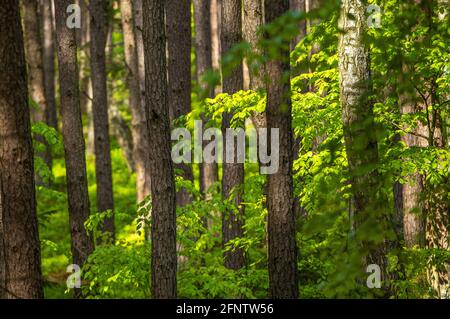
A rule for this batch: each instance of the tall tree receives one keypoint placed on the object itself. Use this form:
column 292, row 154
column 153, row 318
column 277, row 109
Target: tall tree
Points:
column 139, row 123
column 203, row 50
column 359, row 134
column 48, row 35
column 232, row 173
column 216, row 18
column 20, row 259
column 178, row 28
column 283, row 274
column 163, row 229
column 72, row 131
column 33, row 49
column 103, row 170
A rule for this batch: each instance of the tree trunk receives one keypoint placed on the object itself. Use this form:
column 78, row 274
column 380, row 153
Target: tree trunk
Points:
column 20, row 258
column 282, row 247
column 178, row 26
column 103, row 170
column 163, row 230
column 72, row 131
column 233, row 173
column 203, row 50
column 216, row 19
column 139, row 123
column 138, row 20
column 48, row 33
column 359, row 134
column 36, row 83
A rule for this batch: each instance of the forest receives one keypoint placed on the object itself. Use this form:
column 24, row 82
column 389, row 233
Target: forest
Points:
column 224, row 149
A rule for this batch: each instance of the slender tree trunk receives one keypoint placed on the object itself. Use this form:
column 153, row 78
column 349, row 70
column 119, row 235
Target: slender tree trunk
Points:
column 72, row 131
column 163, row 232
column 359, row 134
column 412, row 207
column 233, row 173
column 20, row 258
column 36, row 83
column 283, row 273
column 203, row 50
column 179, row 35
column 216, row 19
column 103, row 169
column 138, row 20
column 48, row 34
column 139, row 123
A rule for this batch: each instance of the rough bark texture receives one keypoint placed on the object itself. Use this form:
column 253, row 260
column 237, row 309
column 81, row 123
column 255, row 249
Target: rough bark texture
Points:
column 103, row 170
column 282, row 248
column 359, row 132
column 72, row 131
column 163, row 230
column 139, row 123
column 138, row 20
column 412, row 207
column 36, row 83
column 178, row 26
column 203, row 50
column 233, row 173
column 20, row 260
column 48, row 35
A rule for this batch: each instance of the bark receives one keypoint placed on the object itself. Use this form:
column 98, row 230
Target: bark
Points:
column 282, row 248
column 203, row 50
column 72, row 131
column 359, row 133
column 216, row 19
column 299, row 6
column 20, row 260
column 36, row 83
column 178, row 26
column 233, row 173
column 48, row 34
column 103, row 170
column 139, row 123
column 163, row 230
column 412, row 210
column 138, row 19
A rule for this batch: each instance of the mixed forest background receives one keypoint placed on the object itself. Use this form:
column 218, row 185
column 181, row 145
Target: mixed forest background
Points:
column 92, row 205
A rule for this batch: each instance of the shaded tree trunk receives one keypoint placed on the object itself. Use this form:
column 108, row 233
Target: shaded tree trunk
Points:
column 103, row 170
column 139, row 123
column 282, row 248
column 20, row 259
column 48, row 34
column 36, row 83
column 232, row 173
column 203, row 50
column 72, row 131
column 163, row 228
column 178, row 26
column 138, row 20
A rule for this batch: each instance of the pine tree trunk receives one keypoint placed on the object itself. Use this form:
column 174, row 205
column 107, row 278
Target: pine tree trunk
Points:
column 203, row 50
column 20, row 260
column 163, row 230
column 48, row 34
column 283, row 273
column 178, row 26
column 138, row 20
column 36, row 83
column 233, row 173
column 72, row 131
column 139, row 123
column 103, row 170
column 216, row 19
